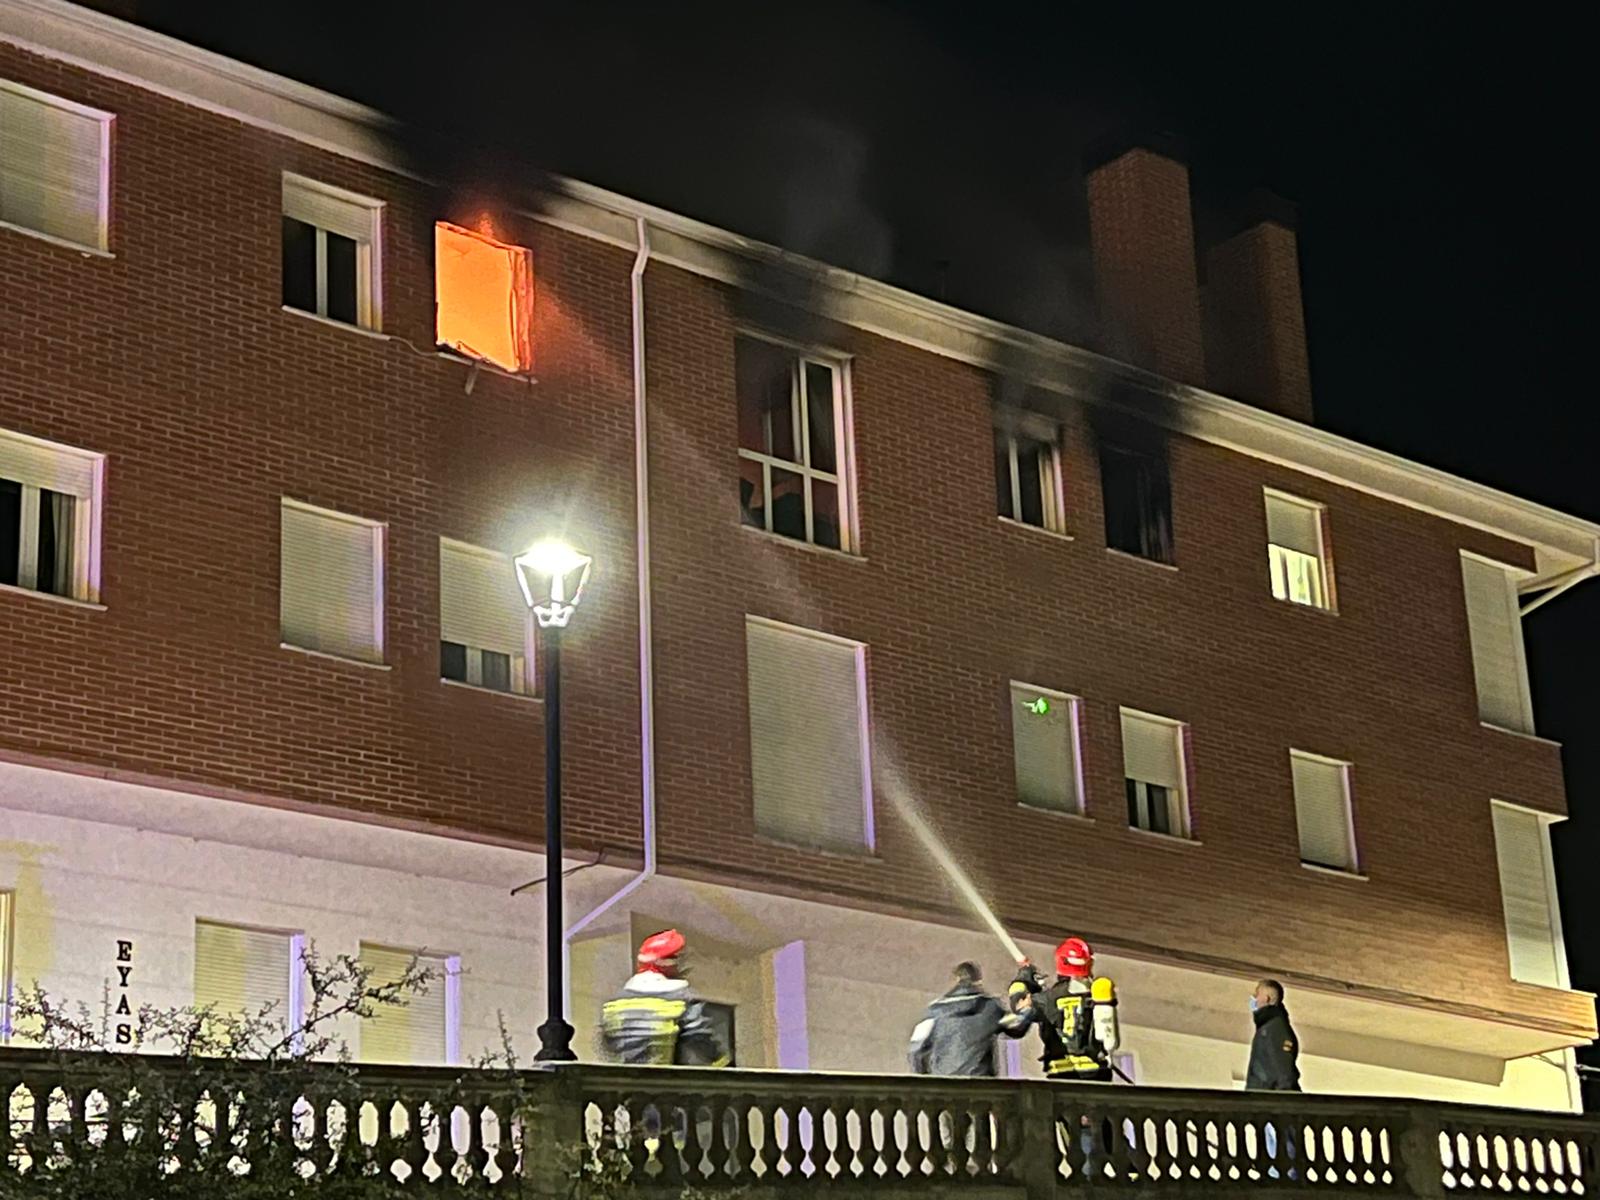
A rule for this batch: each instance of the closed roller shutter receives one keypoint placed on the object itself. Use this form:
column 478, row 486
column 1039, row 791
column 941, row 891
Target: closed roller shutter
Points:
column 1151, row 751
column 415, row 1033
column 1522, row 846
column 808, row 755
column 1322, row 811
column 1044, row 740
column 331, row 583
column 52, row 166
column 480, row 602
column 242, row 971
column 1495, row 627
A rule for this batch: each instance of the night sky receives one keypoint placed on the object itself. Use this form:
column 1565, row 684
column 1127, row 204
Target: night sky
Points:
column 1436, row 165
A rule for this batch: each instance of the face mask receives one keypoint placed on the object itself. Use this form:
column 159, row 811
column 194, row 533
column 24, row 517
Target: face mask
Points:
column 1253, row 1005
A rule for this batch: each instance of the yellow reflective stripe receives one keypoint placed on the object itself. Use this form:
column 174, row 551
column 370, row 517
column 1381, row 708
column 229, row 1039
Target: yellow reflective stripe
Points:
column 1073, row 1062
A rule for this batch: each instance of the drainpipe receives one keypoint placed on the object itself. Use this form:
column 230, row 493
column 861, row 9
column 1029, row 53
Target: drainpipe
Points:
column 647, row 719
column 1562, row 582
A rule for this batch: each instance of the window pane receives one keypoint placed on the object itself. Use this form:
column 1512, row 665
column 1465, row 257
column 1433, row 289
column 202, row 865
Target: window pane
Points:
column 819, row 405
column 55, row 543
column 788, row 504
column 1002, row 474
column 763, row 379
column 1031, row 459
column 1137, row 504
column 299, row 265
column 453, row 661
column 341, row 278
column 1131, row 787
column 1160, row 808
column 825, row 514
column 10, row 530
column 496, row 671
column 752, row 497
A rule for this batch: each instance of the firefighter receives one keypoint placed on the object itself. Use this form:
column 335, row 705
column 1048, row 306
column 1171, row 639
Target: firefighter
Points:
column 1076, row 1016
column 657, row 1020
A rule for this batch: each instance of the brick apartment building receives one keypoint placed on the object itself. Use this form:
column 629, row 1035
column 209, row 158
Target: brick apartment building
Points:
column 1179, row 672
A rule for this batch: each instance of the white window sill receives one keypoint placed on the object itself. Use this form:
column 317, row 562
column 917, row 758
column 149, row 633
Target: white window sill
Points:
column 64, row 243
column 338, row 658
column 375, row 334
column 1334, row 872
column 829, row 551
column 70, row 601
column 1520, row 733
column 1165, row 839
column 489, row 691
column 863, row 855
column 1057, row 814
column 1139, row 558
column 1316, row 608
column 1058, row 535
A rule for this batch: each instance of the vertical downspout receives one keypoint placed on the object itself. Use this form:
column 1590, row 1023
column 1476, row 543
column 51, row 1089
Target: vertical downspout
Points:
column 647, row 716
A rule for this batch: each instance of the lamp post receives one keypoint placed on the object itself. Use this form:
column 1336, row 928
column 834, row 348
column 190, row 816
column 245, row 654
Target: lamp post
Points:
column 552, row 575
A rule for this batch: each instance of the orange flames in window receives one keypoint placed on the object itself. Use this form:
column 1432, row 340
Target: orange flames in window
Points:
column 484, row 294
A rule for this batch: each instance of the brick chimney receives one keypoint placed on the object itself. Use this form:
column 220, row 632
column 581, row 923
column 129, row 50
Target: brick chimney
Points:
column 1141, row 235
column 1255, row 322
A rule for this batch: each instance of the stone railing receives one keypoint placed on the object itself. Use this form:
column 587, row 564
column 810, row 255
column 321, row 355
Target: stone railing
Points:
column 727, row 1132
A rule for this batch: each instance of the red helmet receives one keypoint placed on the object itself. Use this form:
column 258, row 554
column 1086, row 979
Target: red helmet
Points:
column 1074, row 957
column 658, row 951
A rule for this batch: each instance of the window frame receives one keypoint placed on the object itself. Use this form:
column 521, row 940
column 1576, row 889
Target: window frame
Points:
column 451, row 966
column 102, row 246
column 1074, row 706
column 474, row 654
column 1281, row 558
column 1552, row 897
column 1015, row 425
column 86, row 520
column 369, row 251
column 1178, row 803
column 379, row 531
column 294, row 1014
column 8, row 917
column 1524, row 684
column 843, row 479
column 1346, row 780
column 1110, row 451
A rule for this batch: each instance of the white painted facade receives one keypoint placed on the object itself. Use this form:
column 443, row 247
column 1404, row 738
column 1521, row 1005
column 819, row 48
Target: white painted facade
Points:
column 90, row 862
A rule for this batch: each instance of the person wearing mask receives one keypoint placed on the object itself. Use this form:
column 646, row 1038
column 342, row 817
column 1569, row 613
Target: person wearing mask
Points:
column 656, row 1020
column 956, row 1035
column 1275, row 1049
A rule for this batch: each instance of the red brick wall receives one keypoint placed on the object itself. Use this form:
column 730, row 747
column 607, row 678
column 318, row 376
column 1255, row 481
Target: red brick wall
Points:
column 175, row 360
column 1255, row 322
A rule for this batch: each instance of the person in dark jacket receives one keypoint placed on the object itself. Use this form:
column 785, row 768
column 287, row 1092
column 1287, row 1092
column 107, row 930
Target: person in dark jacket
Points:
column 657, row 1020
column 956, row 1035
column 1275, row 1049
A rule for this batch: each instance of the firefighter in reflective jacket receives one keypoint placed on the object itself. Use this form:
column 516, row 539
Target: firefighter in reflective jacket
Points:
column 657, row 1020
column 1076, row 1016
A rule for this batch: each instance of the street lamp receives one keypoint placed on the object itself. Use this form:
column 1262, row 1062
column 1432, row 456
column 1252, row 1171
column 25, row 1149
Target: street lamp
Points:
column 552, row 575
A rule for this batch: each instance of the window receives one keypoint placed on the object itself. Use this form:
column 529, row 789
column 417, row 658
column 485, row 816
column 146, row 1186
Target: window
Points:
column 241, row 972
column 1322, row 811
column 483, row 296
column 425, row 1031
column 1027, row 470
column 721, row 1019
column 808, row 737
column 6, row 902
column 47, row 516
column 1044, row 744
column 793, row 444
column 1153, row 768
column 1138, row 503
column 331, row 582
column 485, row 628
column 1527, row 893
column 1494, row 623
column 1296, row 553
column 55, row 159
column 330, row 252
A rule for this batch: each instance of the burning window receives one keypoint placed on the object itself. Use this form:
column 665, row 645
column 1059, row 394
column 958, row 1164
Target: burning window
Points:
column 484, row 297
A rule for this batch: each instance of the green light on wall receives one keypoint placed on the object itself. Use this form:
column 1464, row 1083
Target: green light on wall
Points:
column 1038, row 707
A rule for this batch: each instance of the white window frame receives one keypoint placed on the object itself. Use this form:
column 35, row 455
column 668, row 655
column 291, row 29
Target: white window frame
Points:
column 843, row 480
column 380, row 539
column 8, row 917
column 369, row 251
column 295, row 1013
column 103, row 222
column 1353, row 849
column 85, row 564
column 452, row 993
column 1073, row 706
column 1289, row 567
column 1558, row 941
column 1014, row 425
column 525, row 683
column 1520, row 650
column 1179, row 803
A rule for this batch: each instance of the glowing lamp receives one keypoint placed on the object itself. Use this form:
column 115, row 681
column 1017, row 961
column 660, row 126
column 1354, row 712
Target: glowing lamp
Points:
column 552, row 575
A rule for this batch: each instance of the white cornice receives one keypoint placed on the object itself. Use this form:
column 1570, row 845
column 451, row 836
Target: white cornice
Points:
column 221, row 85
